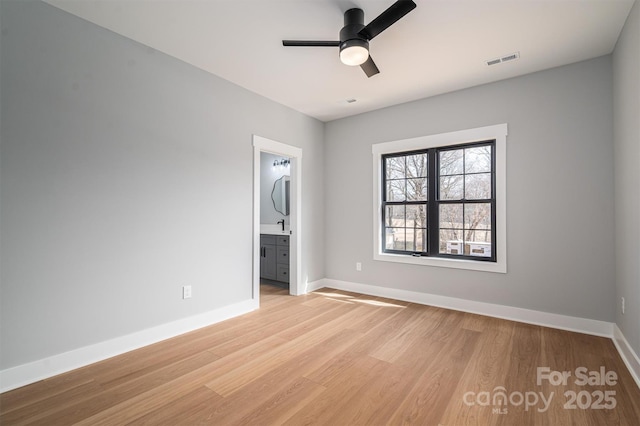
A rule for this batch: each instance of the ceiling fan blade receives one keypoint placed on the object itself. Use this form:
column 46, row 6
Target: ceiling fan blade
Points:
column 310, row 43
column 369, row 67
column 387, row 18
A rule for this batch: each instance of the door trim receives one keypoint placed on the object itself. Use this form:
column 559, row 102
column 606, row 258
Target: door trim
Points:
column 261, row 144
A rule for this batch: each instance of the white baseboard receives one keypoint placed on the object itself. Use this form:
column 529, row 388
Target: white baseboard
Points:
column 546, row 319
column 25, row 374
column 316, row 285
column 628, row 355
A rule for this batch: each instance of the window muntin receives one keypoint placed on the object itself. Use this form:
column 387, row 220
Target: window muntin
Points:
column 449, row 215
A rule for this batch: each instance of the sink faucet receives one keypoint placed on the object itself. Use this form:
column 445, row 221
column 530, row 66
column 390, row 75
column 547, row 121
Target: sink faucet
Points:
column 282, row 223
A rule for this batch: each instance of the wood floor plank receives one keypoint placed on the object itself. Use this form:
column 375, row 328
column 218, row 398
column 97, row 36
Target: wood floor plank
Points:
column 371, row 317
column 300, row 327
column 370, row 342
column 236, row 379
column 156, row 397
column 557, row 355
column 60, row 401
column 379, row 398
column 627, row 396
column 280, row 407
column 177, row 411
column 139, row 364
column 334, row 357
column 259, row 393
column 523, row 360
column 419, row 320
column 446, row 322
column 598, row 353
column 473, row 322
column 428, row 400
column 343, row 363
column 327, row 409
column 270, row 328
column 41, row 390
column 485, row 372
column 91, row 403
column 277, row 380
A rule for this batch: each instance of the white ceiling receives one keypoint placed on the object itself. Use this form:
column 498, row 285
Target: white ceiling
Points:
column 440, row 46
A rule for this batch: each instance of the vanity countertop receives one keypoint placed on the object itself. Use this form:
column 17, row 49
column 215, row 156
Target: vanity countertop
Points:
column 275, row 233
column 274, row 229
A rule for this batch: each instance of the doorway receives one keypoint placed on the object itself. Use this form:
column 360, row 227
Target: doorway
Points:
column 293, row 153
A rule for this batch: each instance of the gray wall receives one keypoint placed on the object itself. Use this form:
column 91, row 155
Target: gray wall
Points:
column 126, row 174
column 268, row 176
column 626, row 107
column 560, row 236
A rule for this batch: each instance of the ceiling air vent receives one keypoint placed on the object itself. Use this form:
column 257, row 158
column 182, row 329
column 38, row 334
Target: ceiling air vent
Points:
column 506, row 58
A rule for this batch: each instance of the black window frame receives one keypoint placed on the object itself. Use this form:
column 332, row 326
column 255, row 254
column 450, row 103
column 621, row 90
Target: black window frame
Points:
column 433, row 202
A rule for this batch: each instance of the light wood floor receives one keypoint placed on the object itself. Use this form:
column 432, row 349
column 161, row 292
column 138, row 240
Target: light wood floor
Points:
column 338, row 358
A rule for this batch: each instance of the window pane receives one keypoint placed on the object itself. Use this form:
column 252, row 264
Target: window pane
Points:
column 477, row 159
column 395, row 190
column 394, row 239
column 451, row 216
column 478, row 236
column 395, row 216
column 478, row 243
column 417, row 189
column 395, row 167
column 478, row 186
column 415, row 240
column 451, row 241
column 451, row 187
column 451, row 162
column 477, row 216
column 416, row 216
column 421, row 240
column 417, row 165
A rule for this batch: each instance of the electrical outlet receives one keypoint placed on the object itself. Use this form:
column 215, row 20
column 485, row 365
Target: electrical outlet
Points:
column 622, row 304
column 358, row 266
column 186, row 292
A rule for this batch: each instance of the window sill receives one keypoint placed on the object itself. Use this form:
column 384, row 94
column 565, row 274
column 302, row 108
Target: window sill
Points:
column 499, row 267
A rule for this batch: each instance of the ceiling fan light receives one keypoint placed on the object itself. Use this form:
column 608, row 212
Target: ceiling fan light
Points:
column 354, row 55
column 354, row 52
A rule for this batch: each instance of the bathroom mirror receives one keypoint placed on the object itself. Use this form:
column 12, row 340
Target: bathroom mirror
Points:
column 280, row 195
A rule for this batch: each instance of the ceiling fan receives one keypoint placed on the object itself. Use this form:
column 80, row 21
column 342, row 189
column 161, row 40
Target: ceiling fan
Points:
column 355, row 36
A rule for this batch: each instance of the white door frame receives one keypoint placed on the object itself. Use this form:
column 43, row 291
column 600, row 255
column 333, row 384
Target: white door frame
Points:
column 260, row 144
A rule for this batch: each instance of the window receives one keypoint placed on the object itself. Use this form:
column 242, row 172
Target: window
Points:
column 441, row 200
column 458, row 221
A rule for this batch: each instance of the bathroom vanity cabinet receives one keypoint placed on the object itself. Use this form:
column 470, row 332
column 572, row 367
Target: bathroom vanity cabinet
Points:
column 274, row 258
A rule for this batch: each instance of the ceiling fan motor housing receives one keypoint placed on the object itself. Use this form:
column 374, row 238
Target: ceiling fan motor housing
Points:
column 353, row 23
